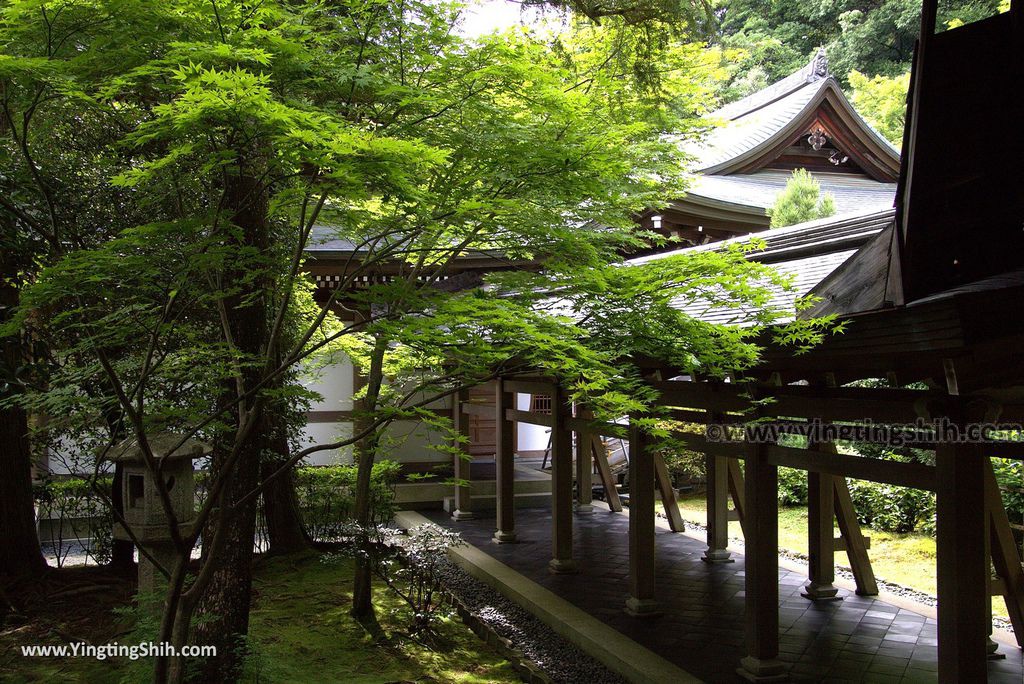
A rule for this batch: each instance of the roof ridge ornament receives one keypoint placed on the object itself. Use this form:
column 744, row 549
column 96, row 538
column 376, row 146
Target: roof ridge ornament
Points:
column 819, row 66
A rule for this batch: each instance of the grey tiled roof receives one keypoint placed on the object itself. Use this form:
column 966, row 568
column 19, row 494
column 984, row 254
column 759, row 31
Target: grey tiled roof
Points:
column 815, row 70
column 852, row 193
column 739, row 135
column 809, row 252
column 757, row 119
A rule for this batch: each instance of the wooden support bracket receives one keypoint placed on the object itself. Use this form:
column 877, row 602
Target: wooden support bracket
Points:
column 738, row 493
column 668, row 495
column 1005, row 559
column 604, row 471
column 855, row 543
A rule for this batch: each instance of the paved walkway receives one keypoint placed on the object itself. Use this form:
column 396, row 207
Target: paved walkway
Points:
column 858, row 639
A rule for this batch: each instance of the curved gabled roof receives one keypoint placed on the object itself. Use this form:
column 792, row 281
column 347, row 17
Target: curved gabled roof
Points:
column 758, row 129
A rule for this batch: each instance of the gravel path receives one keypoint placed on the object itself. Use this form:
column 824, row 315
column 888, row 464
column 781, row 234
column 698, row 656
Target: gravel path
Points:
column 558, row 658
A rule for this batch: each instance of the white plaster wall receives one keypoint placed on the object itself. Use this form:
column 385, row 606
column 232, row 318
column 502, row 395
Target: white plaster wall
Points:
column 409, row 440
column 326, row 433
column 334, row 383
column 531, row 437
column 65, row 457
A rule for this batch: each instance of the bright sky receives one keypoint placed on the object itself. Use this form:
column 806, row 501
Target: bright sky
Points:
column 495, row 15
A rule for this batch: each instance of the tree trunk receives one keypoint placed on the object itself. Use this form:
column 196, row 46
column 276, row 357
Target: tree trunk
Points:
column 223, row 610
column 285, row 531
column 223, row 613
column 365, row 452
column 19, row 537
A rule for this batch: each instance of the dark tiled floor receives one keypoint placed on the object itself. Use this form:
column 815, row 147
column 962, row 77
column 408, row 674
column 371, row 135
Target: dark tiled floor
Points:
column 857, row 639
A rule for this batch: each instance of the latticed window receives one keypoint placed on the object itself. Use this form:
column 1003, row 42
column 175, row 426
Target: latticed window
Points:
column 540, row 403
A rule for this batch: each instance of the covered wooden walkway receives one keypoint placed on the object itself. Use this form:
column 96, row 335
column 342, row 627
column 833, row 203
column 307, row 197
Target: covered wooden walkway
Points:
column 701, row 626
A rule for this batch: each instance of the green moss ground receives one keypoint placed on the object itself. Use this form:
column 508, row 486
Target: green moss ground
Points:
column 300, row 631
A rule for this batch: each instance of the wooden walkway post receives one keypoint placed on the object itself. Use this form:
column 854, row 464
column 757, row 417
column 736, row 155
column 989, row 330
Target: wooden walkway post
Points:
column 761, row 484
column 963, row 568
column 716, row 470
column 641, row 601
column 821, row 538
column 562, row 561
column 463, row 509
column 504, row 465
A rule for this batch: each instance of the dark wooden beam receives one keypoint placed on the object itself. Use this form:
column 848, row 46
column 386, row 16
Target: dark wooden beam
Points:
column 762, row 567
column 916, row 475
column 963, row 565
column 821, row 545
column 529, row 417
column 562, row 561
column 531, row 385
column 590, row 426
column 463, row 492
column 504, row 465
column 641, row 601
column 717, row 502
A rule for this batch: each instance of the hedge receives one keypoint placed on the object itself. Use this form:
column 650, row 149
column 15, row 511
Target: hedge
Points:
column 326, row 497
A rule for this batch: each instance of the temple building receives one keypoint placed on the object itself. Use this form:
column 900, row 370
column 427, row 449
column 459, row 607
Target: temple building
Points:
column 803, row 121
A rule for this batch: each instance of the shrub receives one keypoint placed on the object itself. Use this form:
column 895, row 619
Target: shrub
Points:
column 792, row 487
column 800, row 201
column 1010, row 476
column 889, row 508
column 327, row 496
column 79, row 517
column 410, row 565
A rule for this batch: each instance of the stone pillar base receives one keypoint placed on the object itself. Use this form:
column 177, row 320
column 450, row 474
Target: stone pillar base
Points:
column 645, row 608
column 458, row 515
column 563, row 566
column 759, row 670
column 584, row 509
column 501, row 537
column 717, row 556
column 820, row 592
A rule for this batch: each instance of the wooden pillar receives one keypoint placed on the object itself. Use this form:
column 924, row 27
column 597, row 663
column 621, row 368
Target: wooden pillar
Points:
column 561, row 486
column 463, row 509
column 962, row 564
column 504, row 464
column 641, row 601
column 584, row 466
column 716, row 471
column 761, row 482
column 821, row 538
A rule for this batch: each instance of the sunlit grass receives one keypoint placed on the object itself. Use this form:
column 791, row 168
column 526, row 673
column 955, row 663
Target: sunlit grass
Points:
column 906, row 559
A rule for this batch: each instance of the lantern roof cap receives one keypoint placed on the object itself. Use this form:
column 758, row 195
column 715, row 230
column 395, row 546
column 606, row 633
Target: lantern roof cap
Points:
column 161, row 445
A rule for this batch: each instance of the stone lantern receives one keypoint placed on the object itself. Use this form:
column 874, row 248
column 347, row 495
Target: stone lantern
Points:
column 143, row 509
